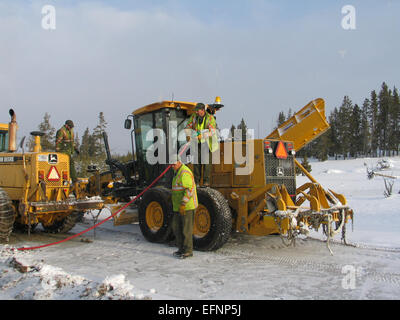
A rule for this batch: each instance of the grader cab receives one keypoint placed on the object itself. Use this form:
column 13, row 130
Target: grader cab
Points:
column 254, row 194
column 35, row 187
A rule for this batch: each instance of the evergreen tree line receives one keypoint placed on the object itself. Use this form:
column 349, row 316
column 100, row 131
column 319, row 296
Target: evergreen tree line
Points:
column 372, row 129
column 91, row 146
column 241, row 126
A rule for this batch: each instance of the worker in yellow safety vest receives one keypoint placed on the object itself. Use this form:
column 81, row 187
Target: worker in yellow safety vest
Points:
column 205, row 128
column 184, row 202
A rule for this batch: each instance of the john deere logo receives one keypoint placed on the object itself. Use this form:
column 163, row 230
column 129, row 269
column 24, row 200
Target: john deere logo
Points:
column 53, row 159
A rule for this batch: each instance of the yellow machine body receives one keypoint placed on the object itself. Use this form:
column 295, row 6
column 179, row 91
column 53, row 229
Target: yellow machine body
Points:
column 264, row 201
column 37, row 183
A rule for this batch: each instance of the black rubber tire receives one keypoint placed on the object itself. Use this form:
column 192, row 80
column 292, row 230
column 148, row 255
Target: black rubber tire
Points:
column 62, row 226
column 221, row 220
column 24, row 228
column 163, row 197
column 7, row 216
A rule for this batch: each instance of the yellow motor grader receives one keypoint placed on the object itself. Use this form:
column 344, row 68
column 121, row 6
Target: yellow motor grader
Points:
column 35, row 187
column 261, row 201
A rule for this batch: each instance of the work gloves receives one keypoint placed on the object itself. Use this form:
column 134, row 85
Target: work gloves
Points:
column 182, row 210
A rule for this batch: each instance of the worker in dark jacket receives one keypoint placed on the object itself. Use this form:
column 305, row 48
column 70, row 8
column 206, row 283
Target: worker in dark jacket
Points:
column 65, row 143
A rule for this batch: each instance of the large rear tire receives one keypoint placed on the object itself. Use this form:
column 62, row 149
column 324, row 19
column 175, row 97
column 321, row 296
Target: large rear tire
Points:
column 7, row 216
column 155, row 215
column 212, row 220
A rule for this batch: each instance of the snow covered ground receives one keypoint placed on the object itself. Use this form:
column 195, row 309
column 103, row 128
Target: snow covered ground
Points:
column 118, row 263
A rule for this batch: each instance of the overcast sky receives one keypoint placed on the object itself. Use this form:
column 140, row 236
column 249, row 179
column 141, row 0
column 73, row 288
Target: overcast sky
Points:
column 261, row 57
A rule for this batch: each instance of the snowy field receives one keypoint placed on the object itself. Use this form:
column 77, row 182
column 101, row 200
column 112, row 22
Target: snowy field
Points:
column 118, row 263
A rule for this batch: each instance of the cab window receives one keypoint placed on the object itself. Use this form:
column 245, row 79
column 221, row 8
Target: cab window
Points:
column 3, row 141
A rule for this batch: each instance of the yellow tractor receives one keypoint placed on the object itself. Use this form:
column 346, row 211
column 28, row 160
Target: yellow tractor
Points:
column 35, row 187
column 263, row 201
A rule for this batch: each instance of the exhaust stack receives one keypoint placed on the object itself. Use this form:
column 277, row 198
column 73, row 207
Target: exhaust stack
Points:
column 12, row 132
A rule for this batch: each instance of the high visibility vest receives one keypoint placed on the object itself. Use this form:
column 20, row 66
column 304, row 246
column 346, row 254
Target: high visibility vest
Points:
column 207, row 125
column 184, row 189
column 65, row 141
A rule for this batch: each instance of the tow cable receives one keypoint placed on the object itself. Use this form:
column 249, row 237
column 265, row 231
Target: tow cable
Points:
column 101, row 222
column 111, row 216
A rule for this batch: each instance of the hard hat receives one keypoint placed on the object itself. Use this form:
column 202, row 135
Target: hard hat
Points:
column 200, row 106
column 69, row 123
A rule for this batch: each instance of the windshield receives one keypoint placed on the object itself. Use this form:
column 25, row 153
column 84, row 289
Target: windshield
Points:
column 178, row 121
column 145, row 135
column 167, row 138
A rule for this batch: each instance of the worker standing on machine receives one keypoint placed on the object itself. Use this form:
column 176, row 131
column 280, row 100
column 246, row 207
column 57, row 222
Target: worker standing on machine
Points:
column 65, row 143
column 204, row 124
column 184, row 202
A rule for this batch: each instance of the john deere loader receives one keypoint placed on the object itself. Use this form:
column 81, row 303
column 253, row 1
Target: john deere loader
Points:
column 261, row 201
column 35, row 187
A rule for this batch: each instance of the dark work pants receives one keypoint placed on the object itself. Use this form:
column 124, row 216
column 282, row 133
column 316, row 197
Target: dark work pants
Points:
column 206, row 168
column 72, row 170
column 182, row 226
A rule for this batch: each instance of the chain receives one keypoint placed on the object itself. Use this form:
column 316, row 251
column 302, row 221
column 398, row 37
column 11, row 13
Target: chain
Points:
column 290, row 237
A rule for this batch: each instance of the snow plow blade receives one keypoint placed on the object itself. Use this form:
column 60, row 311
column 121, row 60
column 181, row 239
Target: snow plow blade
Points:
column 304, row 126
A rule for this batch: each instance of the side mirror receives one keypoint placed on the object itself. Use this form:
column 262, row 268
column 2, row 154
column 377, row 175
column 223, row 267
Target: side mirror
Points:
column 21, row 143
column 128, row 123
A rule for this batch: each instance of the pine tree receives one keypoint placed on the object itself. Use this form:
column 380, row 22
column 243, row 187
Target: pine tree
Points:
column 77, row 141
column 232, row 132
column 383, row 117
column 305, row 164
column 321, row 147
column 394, row 116
column 84, row 147
column 365, row 129
column 48, row 140
column 281, row 119
column 98, row 136
column 343, row 126
column 290, row 114
column 373, row 122
column 334, row 147
column 355, row 132
column 242, row 126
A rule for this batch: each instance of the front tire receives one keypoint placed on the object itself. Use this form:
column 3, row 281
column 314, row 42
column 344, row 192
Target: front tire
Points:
column 155, row 215
column 212, row 220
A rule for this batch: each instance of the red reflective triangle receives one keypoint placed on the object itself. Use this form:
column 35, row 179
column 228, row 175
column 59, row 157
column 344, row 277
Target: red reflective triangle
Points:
column 280, row 151
column 53, row 174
